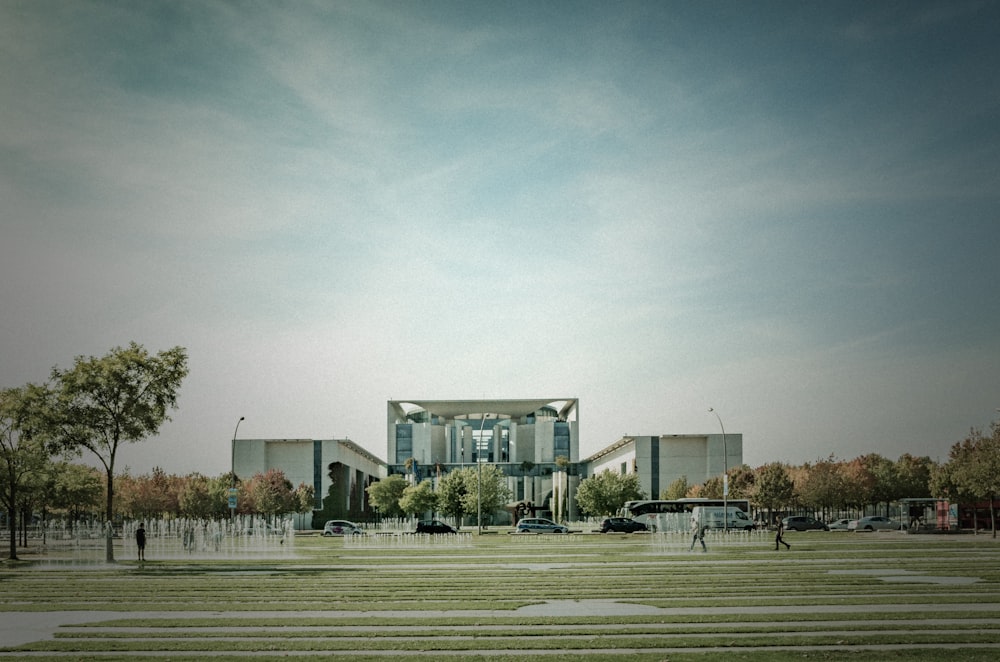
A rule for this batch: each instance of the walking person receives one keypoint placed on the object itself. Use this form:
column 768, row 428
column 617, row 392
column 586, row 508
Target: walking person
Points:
column 697, row 534
column 778, row 539
column 140, row 540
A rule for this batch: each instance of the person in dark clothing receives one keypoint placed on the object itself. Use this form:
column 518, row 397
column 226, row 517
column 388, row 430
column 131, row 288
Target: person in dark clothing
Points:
column 140, row 541
column 698, row 534
column 777, row 538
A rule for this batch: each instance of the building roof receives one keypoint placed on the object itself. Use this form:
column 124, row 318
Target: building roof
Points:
column 451, row 409
column 624, row 441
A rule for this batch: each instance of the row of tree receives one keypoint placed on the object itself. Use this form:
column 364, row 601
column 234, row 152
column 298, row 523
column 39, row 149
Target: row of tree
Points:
column 77, row 492
column 125, row 396
column 471, row 490
column 96, row 405
column 830, row 486
column 826, row 487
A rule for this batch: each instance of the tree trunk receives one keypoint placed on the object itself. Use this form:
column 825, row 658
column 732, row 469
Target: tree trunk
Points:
column 109, row 549
column 12, row 522
column 993, row 516
column 25, row 516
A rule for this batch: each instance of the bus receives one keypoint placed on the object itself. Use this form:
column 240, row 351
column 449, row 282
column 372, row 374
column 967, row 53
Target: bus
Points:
column 675, row 515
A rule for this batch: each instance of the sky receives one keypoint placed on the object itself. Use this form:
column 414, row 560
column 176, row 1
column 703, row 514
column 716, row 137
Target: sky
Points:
column 785, row 211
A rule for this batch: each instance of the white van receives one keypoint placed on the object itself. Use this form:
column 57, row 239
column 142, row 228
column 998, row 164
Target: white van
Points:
column 714, row 517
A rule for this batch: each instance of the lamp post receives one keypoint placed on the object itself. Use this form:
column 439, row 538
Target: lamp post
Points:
column 232, row 472
column 725, row 474
column 479, row 477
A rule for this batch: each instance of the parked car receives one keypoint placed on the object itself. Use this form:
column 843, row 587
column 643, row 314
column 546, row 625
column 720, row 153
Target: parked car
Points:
column 540, row 525
column 341, row 527
column 435, row 526
column 622, row 525
column 874, row 523
column 838, row 524
column 803, row 523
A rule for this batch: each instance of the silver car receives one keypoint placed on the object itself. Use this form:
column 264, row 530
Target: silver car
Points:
column 340, row 527
column 540, row 525
column 874, row 523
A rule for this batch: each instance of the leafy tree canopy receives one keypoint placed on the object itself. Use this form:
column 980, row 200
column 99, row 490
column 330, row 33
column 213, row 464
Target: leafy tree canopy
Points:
column 605, row 493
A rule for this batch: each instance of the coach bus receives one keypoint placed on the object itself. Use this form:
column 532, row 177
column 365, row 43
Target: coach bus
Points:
column 675, row 515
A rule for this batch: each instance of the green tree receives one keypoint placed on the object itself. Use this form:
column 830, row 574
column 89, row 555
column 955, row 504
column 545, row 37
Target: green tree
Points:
column 23, row 456
column 860, row 483
column 711, row 488
column 883, row 470
column 913, row 476
column 451, row 495
column 196, row 498
column 271, row 493
column 823, row 487
column 945, row 485
column 384, row 495
column 492, row 482
column 974, row 467
column 123, row 397
column 774, row 488
column 678, row 489
column 418, row 499
column 76, row 489
column 605, row 493
column 305, row 498
column 741, row 482
column 219, row 487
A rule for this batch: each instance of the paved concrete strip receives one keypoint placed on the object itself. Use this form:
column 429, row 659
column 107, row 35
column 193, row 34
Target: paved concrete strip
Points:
column 19, row 628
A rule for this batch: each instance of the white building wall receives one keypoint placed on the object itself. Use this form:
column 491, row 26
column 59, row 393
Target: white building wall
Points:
column 620, row 461
column 421, row 443
column 544, row 441
column 249, row 456
column 696, row 457
column 683, row 455
column 439, row 446
column 294, row 458
column 525, row 440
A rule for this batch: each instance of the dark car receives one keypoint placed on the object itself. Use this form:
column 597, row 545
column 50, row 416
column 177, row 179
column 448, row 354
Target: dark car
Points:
column 622, row 525
column 435, row 526
column 803, row 523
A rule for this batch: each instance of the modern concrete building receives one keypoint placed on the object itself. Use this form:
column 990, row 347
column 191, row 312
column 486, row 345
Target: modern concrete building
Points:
column 659, row 460
column 535, row 442
column 338, row 469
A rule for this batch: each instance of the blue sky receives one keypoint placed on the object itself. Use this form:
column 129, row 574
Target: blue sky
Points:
column 786, row 211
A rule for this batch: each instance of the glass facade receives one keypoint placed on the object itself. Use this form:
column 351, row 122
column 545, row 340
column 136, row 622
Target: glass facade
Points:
column 560, row 442
column 404, row 443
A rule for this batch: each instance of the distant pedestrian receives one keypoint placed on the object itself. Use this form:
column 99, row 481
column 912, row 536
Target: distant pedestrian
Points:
column 140, row 540
column 778, row 540
column 697, row 534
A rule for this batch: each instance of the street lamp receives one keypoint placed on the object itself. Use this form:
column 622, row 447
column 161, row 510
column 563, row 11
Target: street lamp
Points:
column 725, row 474
column 479, row 477
column 232, row 471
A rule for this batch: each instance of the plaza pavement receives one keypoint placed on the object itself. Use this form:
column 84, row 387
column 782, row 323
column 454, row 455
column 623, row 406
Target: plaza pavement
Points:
column 19, row 628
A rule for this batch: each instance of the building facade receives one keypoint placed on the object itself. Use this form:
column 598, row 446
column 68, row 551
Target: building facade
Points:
column 535, row 442
column 338, row 469
column 659, row 460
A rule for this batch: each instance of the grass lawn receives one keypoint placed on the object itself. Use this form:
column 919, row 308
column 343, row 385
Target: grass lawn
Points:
column 833, row 596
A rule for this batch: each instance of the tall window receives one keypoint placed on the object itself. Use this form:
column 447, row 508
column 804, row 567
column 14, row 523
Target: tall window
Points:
column 404, row 442
column 482, row 440
column 560, row 442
